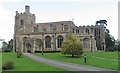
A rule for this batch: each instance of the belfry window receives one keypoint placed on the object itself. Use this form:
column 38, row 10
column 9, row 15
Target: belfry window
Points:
column 47, row 42
column 59, row 41
column 21, row 22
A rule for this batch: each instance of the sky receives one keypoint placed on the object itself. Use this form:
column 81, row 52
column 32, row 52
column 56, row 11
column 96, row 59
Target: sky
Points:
column 82, row 12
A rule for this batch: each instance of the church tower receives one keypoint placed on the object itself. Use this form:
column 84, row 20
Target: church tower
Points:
column 24, row 20
column 22, row 23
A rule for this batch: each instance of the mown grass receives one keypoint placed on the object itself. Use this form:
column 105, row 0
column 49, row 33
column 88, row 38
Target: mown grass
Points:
column 107, row 60
column 108, row 55
column 27, row 64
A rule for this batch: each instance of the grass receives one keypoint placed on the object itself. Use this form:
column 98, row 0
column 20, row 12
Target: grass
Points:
column 108, row 55
column 107, row 60
column 27, row 64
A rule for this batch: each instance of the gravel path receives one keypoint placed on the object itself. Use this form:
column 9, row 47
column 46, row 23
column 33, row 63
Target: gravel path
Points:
column 64, row 65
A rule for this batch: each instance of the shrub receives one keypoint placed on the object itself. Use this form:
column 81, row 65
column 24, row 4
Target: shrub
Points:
column 72, row 46
column 8, row 65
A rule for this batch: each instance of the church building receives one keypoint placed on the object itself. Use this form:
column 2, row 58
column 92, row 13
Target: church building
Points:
column 30, row 36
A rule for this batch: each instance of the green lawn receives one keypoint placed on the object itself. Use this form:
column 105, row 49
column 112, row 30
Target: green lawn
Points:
column 107, row 60
column 27, row 64
column 108, row 55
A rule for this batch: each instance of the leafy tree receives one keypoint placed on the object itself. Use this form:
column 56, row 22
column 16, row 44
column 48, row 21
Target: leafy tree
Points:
column 10, row 44
column 118, row 48
column 4, row 46
column 110, row 41
column 72, row 46
column 7, row 47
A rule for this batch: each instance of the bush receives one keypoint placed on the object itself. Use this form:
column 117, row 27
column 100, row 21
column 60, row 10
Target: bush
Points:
column 72, row 46
column 8, row 65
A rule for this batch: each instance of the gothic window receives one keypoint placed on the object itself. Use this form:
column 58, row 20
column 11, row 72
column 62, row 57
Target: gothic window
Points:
column 86, row 42
column 65, row 27
column 87, row 31
column 21, row 22
column 77, row 30
column 35, row 29
column 59, row 41
column 47, row 42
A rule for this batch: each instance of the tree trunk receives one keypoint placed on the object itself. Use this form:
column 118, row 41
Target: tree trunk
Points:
column 72, row 55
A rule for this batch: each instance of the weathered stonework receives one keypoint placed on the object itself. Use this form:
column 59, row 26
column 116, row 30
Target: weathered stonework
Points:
column 30, row 36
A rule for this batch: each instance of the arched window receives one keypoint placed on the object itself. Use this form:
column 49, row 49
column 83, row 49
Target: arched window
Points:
column 77, row 30
column 47, row 42
column 35, row 29
column 87, row 31
column 59, row 41
column 21, row 22
column 86, row 42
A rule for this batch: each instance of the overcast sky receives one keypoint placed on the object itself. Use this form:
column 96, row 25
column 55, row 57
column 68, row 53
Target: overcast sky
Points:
column 84, row 12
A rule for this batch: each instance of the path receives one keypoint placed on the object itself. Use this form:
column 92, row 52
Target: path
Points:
column 65, row 65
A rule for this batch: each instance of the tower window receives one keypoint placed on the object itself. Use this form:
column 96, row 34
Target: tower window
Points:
column 21, row 22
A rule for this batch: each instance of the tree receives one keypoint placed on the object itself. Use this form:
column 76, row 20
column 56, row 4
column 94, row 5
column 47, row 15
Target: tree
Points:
column 72, row 46
column 7, row 47
column 4, row 46
column 118, row 47
column 10, row 44
column 102, row 22
column 110, row 41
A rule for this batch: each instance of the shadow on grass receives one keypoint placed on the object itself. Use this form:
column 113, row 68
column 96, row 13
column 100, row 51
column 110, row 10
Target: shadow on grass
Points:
column 73, row 57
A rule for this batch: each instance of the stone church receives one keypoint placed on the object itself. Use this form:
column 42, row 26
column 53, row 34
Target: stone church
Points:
column 30, row 36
